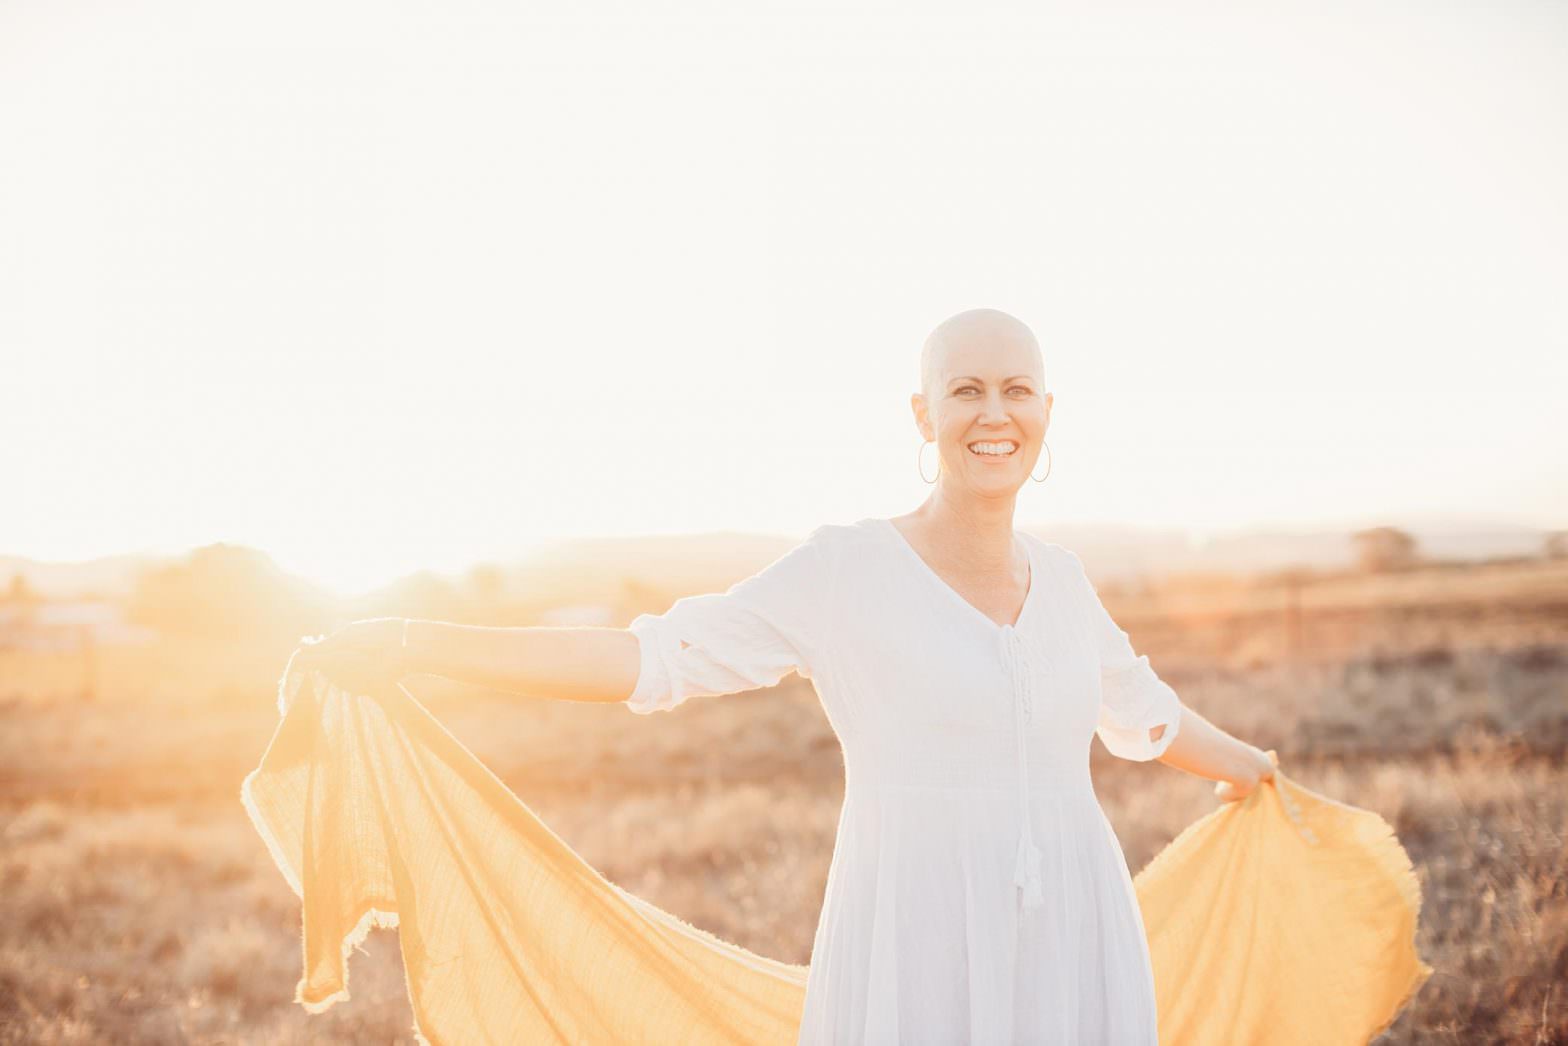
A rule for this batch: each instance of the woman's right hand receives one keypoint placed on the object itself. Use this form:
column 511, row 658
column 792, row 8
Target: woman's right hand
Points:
column 363, row 656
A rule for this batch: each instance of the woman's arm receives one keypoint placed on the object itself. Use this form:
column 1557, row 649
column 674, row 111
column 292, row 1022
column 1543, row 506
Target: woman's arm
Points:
column 1202, row 748
column 568, row 664
column 564, row 664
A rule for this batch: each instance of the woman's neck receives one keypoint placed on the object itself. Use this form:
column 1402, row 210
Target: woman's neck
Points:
column 976, row 536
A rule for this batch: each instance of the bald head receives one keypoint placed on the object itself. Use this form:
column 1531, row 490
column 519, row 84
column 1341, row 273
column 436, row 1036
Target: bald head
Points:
column 975, row 331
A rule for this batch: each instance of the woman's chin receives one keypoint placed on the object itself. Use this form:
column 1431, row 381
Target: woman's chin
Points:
column 992, row 482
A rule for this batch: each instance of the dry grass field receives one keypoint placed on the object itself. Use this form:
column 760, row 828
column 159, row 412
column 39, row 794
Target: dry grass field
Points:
column 138, row 905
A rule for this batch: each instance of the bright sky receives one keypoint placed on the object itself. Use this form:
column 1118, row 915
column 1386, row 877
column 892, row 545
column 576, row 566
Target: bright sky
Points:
column 381, row 286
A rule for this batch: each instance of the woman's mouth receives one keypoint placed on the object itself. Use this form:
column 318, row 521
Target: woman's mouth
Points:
column 998, row 451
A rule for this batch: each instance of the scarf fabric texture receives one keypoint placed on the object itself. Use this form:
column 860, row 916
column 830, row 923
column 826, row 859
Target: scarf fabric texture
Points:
column 1285, row 917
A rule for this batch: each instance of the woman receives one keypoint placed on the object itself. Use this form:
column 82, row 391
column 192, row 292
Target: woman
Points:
column 977, row 892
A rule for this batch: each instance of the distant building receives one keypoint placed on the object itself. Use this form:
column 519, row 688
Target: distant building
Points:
column 67, row 625
column 1384, row 548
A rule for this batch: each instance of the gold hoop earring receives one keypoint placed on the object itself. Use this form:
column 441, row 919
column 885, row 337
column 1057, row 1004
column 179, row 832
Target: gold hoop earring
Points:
column 1042, row 479
column 920, row 463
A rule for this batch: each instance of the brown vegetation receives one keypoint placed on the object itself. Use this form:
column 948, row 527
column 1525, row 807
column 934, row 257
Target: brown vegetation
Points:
column 138, row 905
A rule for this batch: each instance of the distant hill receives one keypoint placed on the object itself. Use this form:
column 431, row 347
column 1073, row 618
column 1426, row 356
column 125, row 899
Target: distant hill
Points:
column 710, row 561
column 1115, row 551
column 607, row 568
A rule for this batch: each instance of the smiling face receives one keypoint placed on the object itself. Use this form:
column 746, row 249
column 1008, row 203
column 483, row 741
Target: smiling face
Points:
column 983, row 401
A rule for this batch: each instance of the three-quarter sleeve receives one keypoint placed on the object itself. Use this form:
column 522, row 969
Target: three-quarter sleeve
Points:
column 1133, row 699
column 751, row 635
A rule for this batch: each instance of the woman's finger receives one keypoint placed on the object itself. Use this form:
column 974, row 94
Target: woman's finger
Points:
column 1228, row 792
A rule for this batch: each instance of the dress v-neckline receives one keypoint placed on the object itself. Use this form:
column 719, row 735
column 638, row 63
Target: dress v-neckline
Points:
column 1023, row 610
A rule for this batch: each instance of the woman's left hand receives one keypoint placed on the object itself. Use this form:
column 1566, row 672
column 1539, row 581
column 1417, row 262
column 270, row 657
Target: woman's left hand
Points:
column 1230, row 791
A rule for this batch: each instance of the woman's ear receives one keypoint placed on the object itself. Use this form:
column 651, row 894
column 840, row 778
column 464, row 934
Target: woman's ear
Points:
column 921, row 410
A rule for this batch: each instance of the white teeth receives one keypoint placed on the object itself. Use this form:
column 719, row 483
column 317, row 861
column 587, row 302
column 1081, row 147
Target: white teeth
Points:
column 1000, row 450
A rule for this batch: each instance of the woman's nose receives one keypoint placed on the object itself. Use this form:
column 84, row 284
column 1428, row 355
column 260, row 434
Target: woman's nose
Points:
column 995, row 407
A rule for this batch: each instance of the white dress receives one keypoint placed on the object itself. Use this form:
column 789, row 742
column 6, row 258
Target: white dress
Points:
column 977, row 892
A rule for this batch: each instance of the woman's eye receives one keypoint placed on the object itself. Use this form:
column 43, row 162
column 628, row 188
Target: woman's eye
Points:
column 1026, row 390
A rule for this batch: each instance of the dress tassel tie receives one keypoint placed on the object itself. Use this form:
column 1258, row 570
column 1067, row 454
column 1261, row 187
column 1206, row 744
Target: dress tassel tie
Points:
column 1026, row 867
column 1027, row 872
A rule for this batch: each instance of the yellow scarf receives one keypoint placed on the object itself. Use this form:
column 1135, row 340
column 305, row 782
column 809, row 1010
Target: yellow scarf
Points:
column 1285, row 917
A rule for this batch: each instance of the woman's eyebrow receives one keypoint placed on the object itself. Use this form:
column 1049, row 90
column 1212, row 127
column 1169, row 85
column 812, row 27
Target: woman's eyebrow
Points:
column 1015, row 377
